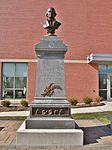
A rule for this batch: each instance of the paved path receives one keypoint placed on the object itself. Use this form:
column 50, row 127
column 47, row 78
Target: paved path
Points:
column 96, row 136
column 8, row 132
column 106, row 107
column 95, row 133
column 14, row 113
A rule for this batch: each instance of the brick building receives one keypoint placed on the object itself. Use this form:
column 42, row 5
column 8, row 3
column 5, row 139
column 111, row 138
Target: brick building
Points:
column 86, row 29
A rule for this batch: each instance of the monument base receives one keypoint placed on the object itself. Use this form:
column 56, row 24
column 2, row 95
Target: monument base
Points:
column 50, row 123
column 49, row 137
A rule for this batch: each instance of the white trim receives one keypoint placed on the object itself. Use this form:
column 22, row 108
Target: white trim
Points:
column 18, row 60
column 35, row 60
column 108, row 87
column 76, row 61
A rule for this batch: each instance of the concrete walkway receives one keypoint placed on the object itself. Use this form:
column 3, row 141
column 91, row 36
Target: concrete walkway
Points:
column 14, row 113
column 97, row 136
column 106, row 107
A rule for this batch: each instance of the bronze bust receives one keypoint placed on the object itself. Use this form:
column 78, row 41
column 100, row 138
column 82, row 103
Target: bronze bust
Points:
column 51, row 24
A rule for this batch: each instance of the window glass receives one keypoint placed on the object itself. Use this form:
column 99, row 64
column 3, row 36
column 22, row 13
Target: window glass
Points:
column 103, row 81
column 104, row 72
column 8, row 70
column 102, row 69
column 103, row 93
column 9, row 82
column 14, row 80
column 21, row 70
column 20, row 82
column 20, row 93
column 109, row 69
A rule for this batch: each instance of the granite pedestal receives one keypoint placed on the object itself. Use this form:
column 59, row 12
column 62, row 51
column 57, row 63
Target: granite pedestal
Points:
column 50, row 121
column 49, row 137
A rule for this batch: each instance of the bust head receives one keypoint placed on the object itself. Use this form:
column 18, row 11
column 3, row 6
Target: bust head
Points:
column 51, row 13
column 51, row 24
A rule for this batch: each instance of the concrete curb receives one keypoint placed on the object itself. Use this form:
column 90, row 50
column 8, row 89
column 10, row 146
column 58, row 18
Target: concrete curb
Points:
column 14, row 147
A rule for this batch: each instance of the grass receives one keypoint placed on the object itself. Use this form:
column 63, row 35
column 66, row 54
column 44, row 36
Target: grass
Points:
column 13, row 118
column 101, row 116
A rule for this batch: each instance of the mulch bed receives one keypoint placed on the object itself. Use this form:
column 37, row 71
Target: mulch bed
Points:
column 79, row 105
column 13, row 108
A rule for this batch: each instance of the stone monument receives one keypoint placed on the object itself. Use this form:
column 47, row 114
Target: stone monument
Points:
column 50, row 122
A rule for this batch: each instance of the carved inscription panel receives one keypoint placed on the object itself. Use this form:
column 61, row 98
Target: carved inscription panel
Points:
column 60, row 112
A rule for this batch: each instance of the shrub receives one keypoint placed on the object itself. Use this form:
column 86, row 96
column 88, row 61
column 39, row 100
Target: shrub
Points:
column 87, row 100
column 73, row 101
column 5, row 103
column 24, row 103
column 99, row 99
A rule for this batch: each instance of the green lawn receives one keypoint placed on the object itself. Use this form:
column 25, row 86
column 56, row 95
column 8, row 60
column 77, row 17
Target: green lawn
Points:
column 13, row 118
column 101, row 116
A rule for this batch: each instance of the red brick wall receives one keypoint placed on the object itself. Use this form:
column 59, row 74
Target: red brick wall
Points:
column 86, row 26
column 31, row 81
column 81, row 80
column 0, row 80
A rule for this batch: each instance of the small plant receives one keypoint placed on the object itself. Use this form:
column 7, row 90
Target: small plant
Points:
column 99, row 99
column 73, row 101
column 5, row 103
column 87, row 100
column 24, row 103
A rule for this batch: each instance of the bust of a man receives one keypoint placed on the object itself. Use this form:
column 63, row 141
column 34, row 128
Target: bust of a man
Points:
column 51, row 24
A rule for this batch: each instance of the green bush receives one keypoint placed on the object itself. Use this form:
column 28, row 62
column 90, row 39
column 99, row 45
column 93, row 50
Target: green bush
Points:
column 99, row 99
column 24, row 103
column 5, row 103
column 73, row 101
column 87, row 100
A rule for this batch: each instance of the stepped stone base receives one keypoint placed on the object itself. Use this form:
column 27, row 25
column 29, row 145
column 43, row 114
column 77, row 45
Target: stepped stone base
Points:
column 50, row 123
column 48, row 137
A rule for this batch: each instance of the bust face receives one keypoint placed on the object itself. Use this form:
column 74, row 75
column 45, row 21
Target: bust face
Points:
column 50, row 13
column 51, row 24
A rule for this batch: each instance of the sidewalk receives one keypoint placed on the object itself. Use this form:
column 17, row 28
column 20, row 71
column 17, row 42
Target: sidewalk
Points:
column 97, row 136
column 14, row 113
column 106, row 107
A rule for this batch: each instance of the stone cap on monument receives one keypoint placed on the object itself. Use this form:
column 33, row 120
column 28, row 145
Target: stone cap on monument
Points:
column 51, row 43
column 50, row 47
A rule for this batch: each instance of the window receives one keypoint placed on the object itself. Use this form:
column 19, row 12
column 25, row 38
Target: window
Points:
column 105, row 81
column 14, row 80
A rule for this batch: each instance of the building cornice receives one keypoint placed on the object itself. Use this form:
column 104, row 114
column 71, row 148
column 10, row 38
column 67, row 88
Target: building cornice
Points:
column 99, row 58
